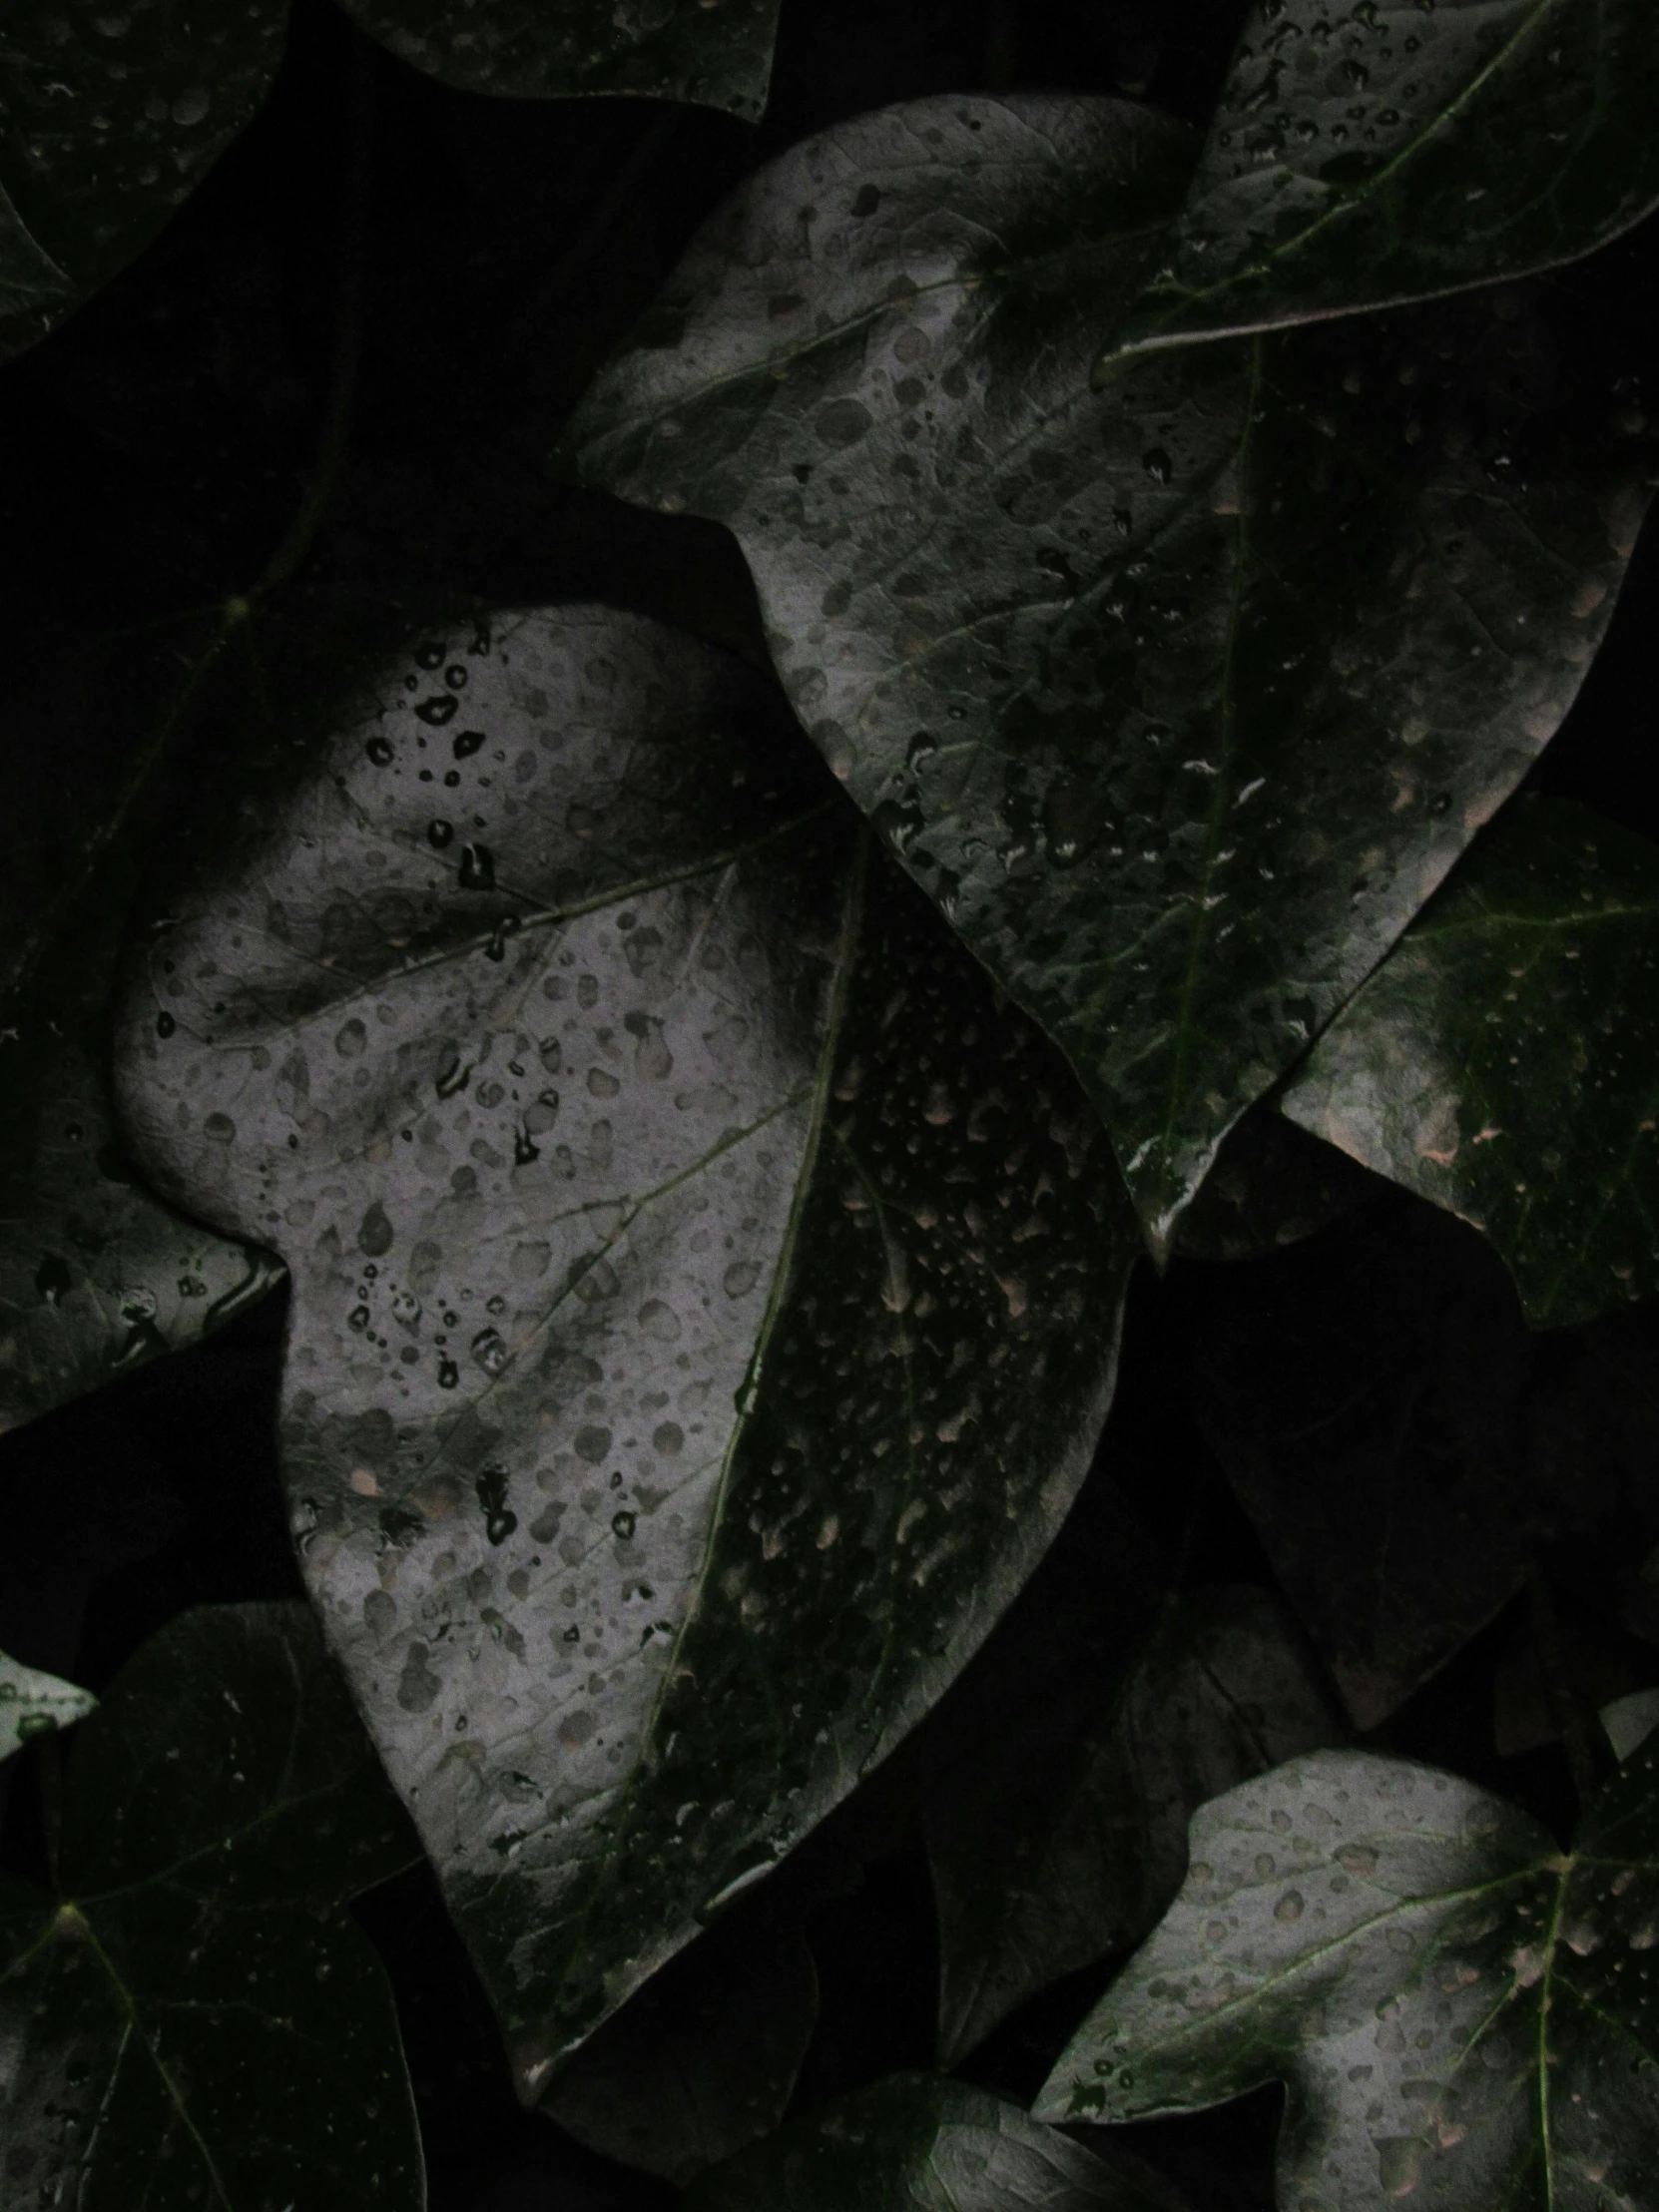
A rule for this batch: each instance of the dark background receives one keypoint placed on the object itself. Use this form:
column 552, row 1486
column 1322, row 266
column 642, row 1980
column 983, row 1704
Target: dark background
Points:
column 151, row 457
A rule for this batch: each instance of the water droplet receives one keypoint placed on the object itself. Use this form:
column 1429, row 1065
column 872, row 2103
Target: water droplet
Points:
column 477, row 868
column 437, row 711
column 378, row 750
column 165, row 1024
column 439, row 833
column 622, row 1525
column 448, row 1375
column 1158, row 465
column 490, row 1351
column 467, row 742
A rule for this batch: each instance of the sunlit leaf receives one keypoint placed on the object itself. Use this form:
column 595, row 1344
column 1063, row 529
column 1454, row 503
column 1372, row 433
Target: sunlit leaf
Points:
column 703, row 1292
column 1368, row 155
column 194, row 2019
column 1541, row 954
column 1178, row 701
column 1462, row 2015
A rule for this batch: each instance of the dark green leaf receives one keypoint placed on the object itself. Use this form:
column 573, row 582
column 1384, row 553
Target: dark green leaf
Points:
column 701, row 2062
column 1180, row 702
column 1369, row 1397
column 31, row 1703
column 1541, row 954
column 1043, row 1867
column 703, row 1292
column 1366, row 156
column 1270, row 1187
column 718, row 52
column 1630, row 1721
column 194, row 2019
column 920, row 2143
column 1462, row 2015
column 107, row 120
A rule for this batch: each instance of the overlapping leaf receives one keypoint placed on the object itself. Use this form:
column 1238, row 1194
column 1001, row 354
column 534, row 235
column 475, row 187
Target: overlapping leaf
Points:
column 107, row 120
column 194, row 2019
column 718, row 52
column 702, row 2062
column 1043, row 1865
column 1464, row 2015
column 704, row 1293
column 110, row 118
column 1367, row 153
column 1504, row 1060
column 32, row 1702
column 1178, row 701
column 921, row 2143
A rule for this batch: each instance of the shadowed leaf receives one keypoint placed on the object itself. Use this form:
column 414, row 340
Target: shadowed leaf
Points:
column 194, row 2019
column 32, row 1703
column 1178, row 701
column 1541, row 953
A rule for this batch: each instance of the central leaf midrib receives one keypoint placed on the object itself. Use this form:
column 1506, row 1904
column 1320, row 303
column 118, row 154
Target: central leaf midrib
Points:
column 821, row 1091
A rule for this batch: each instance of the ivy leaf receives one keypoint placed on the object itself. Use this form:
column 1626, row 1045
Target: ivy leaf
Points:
column 194, row 2017
column 1462, row 2015
column 701, row 2062
column 1540, row 952
column 703, row 1288
column 1368, row 157
column 920, row 2141
column 1042, row 1866
column 32, row 1704
column 1630, row 1721
column 1180, row 702
column 97, row 1277
column 718, row 56
column 108, row 120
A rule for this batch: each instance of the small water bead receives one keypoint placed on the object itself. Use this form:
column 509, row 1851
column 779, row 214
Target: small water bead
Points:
column 490, row 1351
column 378, row 750
column 165, row 1024
column 448, row 1375
column 439, row 833
column 467, row 742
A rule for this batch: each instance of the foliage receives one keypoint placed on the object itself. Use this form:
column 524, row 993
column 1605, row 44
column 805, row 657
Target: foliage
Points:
column 673, row 778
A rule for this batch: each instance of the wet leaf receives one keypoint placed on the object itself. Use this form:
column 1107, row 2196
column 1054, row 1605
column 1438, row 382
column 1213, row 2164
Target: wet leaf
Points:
column 96, row 1275
column 1368, row 1395
column 194, row 2017
column 1540, row 952
column 703, row 1292
column 32, row 1704
column 108, row 120
column 701, row 2063
column 717, row 52
column 1367, row 156
column 1178, row 701
column 1462, row 2014
column 918, row 2140
column 1042, row 1866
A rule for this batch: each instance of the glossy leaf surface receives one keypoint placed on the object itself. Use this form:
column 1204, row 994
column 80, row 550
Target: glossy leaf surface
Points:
column 920, row 2143
column 1462, row 2015
column 194, row 2019
column 31, row 1703
column 1504, row 1060
column 717, row 52
column 703, row 1293
column 1368, row 155
column 107, row 120
column 1042, row 1866
column 1178, row 701
column 701, row 2062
